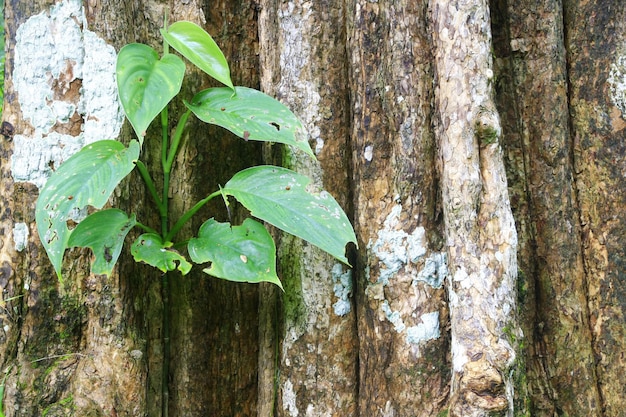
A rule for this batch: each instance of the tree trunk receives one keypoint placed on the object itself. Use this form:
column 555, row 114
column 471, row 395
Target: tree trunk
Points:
column 478, row 149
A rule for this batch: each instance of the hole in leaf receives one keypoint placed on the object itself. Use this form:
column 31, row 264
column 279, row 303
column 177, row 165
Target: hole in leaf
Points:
column 71, row 224
column 107, row 254
column 276, row 125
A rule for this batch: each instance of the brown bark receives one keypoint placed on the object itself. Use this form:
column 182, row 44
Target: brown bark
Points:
column 596, row 95
column 560, row 359
column 403, row 110
column 214, row 323
column 402, row 317
column 479, row 226
column 304, row 65
column 65, row 344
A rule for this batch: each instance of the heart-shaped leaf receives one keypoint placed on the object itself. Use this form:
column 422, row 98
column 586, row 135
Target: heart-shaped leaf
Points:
column 251, row 115
column 243, row 253
column 195, row 44
column 149, row 248
column 281, row 197
column 146, row 84
column 104, row 232
column 88, row 178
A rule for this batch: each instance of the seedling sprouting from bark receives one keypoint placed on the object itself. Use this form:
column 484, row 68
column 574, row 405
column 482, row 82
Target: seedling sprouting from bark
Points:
column 147, row 83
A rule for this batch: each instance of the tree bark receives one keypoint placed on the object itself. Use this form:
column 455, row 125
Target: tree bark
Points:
column 480, row 230
column 68, row 347
column 478, row 149
column 402, row 261
column 596, row 64
column 304, row 65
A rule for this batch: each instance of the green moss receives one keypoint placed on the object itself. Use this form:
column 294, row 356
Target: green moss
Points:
column 64, row 407
column 486, row 134
column 443, row 413
column 291, row 268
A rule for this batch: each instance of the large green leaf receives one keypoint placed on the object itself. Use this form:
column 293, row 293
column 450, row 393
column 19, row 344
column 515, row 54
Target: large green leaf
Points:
column 146, row 84
column 195, row 44
column 281, row 197
column 88, row 178
column 243, row 253
column 251, row 115
column 104, row 232
column 149, row 248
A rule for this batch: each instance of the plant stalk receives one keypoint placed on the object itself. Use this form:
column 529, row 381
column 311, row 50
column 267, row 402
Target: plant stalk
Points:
column 165, row 377
column 166, row 173
column 145, row 175
column 188, row 215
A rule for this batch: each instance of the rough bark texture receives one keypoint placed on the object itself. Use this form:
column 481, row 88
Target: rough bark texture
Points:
column 597, row 97
column 414, row 112
column 64, row 344
column 304, row 65
column 480, row 230
column 402, row 317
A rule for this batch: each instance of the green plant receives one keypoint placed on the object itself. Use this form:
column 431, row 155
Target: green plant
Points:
column 146, row 84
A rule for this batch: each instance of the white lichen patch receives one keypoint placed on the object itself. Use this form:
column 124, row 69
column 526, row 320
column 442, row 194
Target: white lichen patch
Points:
column 394, row 248
column 427, row 330
column 368, row 154
column 57, row 58
column 617, row 83
column 289, row 399
column 20, row 236
column 393, row 317
column 35, row 158
column 434, row 271
column 342, row 287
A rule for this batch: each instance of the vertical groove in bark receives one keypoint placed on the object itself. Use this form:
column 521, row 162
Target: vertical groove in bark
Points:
column 303, row 55
column 214, row 354
column 596, row 51
column 560, row 359
column 480, row 231
column 402, row 317
column 529, row 376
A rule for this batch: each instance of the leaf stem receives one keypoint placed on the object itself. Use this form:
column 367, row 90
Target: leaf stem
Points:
column 146, row 228
column 165, row 377
column 188, row 215
column 143, row 171
column 166, row 173
column 167, row 165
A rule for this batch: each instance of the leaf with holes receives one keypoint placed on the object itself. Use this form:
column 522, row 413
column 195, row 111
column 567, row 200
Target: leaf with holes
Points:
column 149, row 248
column 251, row 115
column 282, row 197
column 88, row 178
column 146, row 84
column 195, row 44
column 243, row 253
column 104, row 233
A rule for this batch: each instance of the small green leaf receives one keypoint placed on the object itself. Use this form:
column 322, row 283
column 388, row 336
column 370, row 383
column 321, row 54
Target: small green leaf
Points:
column 88, row 178
column 195, row 44
column 104, row 232
column 149, row 248
column 146, row 84
column 281, row 197
column 243, row 253
column 251, row 115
